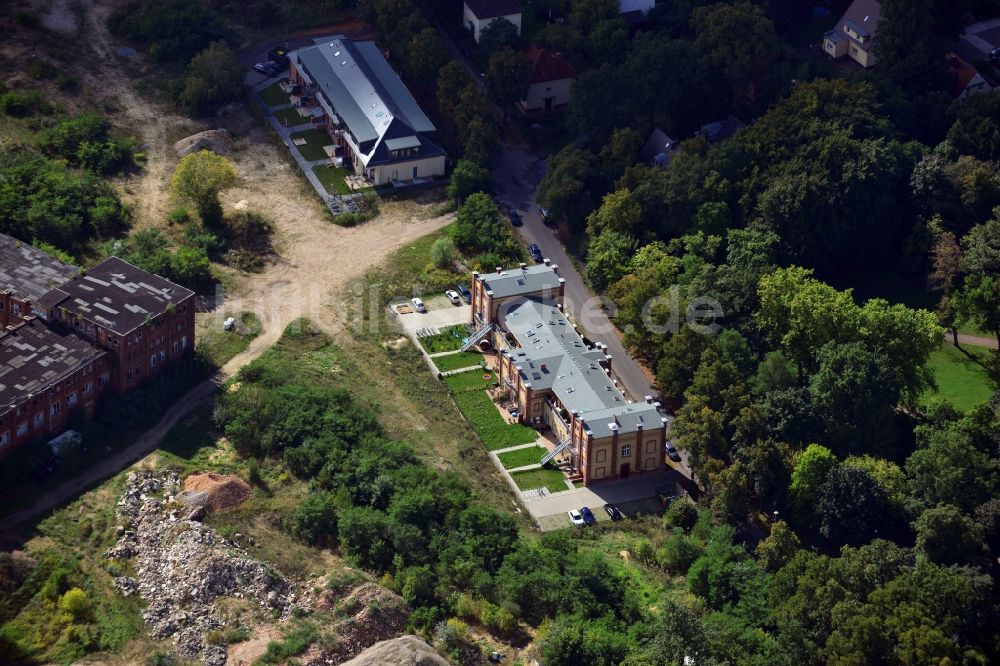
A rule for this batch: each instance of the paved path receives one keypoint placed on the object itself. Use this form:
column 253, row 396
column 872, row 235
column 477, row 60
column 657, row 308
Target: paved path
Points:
column 975, row 340
column 149, row 441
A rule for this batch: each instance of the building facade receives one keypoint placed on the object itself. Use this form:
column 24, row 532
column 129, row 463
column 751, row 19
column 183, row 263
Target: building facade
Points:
column 26, row 274
column 551, row 83
column 109, row 329
column 855, row 34
column 367, row 110
column 143, row 321
column 46, row 376
column 478, row 14
column 556, row 377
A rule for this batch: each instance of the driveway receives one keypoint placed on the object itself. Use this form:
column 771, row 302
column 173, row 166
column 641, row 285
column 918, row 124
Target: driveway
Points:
column 440, row 314
column 631, row 496
column 979, row 39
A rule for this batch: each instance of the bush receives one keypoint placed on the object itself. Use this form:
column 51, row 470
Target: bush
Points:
column 467, row 607
column 175, row 30
column 21, row 105
column 66, row 137
column 108, row 156
column 443, row 253
column 75, row 604
column 498, row 620
column 451, row 634
column 315, row 520
column 681, row 514
column 214, row 77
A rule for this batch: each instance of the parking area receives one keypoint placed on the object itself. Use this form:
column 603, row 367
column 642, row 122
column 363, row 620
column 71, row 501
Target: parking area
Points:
column 440, row 314
column 632, row 497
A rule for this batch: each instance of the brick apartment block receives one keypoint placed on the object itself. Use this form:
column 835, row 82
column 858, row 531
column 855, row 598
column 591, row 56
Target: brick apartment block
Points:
column 558, row 378
column 69, row 337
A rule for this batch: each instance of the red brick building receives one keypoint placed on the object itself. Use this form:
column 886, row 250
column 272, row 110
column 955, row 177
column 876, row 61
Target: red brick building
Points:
column 26, row 274
column 67, row 337
column 45, row 376
column 144, row 321
column 559, row 379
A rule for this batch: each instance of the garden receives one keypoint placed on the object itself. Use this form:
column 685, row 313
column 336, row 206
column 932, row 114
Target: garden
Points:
column 550, row 479
column 468, row 391
column 521, row 457
column 449, row 339
column 315, row 142
column 332, row 178
column 457, row 361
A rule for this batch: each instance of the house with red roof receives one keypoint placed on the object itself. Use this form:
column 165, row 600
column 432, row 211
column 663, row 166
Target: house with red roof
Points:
column 551, row 83
column 965, row 79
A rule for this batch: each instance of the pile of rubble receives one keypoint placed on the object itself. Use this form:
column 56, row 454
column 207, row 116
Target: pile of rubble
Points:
column 216, row 140
column 182, row 567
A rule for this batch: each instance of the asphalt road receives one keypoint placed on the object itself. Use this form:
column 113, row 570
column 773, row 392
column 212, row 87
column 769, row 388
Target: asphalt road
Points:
column 516, row 175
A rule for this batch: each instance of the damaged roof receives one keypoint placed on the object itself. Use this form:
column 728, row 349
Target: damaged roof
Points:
column 28, row 272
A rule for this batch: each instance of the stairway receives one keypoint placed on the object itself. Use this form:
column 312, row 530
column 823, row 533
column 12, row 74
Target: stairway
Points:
column 560, row 447
column 480, row 333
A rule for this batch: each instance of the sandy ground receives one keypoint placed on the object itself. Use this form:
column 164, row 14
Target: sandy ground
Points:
column 315, row 261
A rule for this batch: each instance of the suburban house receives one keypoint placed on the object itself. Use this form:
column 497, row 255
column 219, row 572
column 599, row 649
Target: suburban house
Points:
column 557, row 378
column 368, row 111
column 635, row 11
column 477, row 14
column 855, row 33
column 26, row 274
column 551, row 82
column 722, row 129
column 68, row 337
column 658, row 149
column 45, row 376
column 965, row 79
column 145, row 322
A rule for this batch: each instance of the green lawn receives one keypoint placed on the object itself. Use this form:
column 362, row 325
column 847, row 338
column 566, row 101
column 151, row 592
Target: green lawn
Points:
column 332, row 178
column 522, row 457
column 316, row 139
column 456, row 361
column 220, row 345
column 290, row 117
column 470, row 381
column 962, row 378
column 449, row 339
column 552, row 479
column 491, row 427
column 273, row 95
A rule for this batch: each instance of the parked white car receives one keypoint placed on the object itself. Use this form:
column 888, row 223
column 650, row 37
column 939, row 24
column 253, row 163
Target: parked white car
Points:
column 576, row 518
column 453, row 297
column 418, row 305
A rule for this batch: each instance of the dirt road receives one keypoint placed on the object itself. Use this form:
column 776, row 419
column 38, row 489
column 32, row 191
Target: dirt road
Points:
column 315, row 260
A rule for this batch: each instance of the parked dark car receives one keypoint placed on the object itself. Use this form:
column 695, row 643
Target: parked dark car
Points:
column 535, row 252
column 588, row 516
column 269, row 68
column 464, row 293
column 672, row 453
column 995, row 55
column 514, row 217
column 546, row 217
column 613, row 511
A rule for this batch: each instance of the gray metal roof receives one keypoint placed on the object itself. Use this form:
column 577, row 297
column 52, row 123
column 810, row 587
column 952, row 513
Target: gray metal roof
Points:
column 402, row 143
column 518, row 281
column 363, row 89
column 33, row 357
column 117, row 295
column 484, row 9
column 552, row 356
column 28, row 272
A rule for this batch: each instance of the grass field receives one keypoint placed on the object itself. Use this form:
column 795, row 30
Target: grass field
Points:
column 290, row 117
column 273, row 95
column 456, row 361
column 316, row 139
column 551, row 479
column 522, row 457
column 496, row 433
column 220, row 345
column 332, row 178
column 449, row 339
column 962, row 379
column 473, row 380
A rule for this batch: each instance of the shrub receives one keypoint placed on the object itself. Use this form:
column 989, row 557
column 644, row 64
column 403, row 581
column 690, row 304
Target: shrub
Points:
column 443, row 253
column 451, row 634
column 681, row 514
column 75, row 604
column 467, row 607
column 498, row 620
column 315, row 520
column 66, row 137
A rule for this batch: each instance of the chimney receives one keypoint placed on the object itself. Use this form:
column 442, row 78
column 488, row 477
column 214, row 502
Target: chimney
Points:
column 649, row 399
column 499, row 269
column 544, row 367
column 524, row 266
column 546, row 261
column 555, row 268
